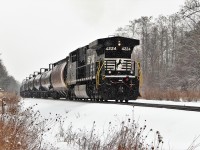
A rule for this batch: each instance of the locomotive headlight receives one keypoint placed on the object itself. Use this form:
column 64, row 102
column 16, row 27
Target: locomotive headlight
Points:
column 109, row 72
column 131, row 72
column 119, row 43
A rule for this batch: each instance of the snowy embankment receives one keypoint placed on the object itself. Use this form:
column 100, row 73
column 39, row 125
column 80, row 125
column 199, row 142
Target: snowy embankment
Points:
column 180, row 103
column 178, row 128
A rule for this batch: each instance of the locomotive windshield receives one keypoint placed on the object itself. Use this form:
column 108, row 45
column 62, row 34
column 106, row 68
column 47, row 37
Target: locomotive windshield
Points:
column 118, row 57
column 118, row 52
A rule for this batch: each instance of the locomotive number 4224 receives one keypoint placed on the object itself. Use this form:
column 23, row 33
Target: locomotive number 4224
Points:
column 115, row 48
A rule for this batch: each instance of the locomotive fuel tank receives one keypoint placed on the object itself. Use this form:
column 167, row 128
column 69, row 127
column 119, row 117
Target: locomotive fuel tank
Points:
column 58, row 76
column 80, row 91
column 45, row 80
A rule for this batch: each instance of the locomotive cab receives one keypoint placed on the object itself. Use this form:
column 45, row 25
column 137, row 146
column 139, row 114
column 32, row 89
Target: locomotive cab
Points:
column 117, row 74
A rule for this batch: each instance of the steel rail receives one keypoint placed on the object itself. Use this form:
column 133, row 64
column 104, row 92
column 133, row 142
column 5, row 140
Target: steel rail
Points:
column 166, row 106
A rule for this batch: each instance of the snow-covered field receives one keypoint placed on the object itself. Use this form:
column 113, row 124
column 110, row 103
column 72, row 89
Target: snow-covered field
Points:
column 178, row 128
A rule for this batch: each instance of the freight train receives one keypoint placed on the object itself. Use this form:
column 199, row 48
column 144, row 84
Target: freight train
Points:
column 100, row 71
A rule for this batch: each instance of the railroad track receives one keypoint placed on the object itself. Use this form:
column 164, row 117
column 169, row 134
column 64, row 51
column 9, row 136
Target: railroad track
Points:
column 166, row 106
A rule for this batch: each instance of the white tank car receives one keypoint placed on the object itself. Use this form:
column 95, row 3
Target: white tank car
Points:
column 23, row 85
column 37, row 82
column 31, row 83
column 26, row 85
column 45, row 80
column 58, row 77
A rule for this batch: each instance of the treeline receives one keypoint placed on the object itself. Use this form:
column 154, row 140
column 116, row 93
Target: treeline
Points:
column 169, row 51
column 7, row 82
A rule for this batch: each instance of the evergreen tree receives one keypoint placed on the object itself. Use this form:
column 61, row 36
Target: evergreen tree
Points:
column 7, row 83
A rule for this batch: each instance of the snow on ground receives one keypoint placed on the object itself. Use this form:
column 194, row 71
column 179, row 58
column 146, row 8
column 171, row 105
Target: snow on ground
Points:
column 178, row 128
column 181, row 102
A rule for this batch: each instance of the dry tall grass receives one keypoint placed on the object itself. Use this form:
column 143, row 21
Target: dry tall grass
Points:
column 128, row 136
column 176, row 95
column 20, row 130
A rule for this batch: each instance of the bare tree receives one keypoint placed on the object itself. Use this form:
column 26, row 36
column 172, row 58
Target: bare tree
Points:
column 190, row 12
column 170, row 49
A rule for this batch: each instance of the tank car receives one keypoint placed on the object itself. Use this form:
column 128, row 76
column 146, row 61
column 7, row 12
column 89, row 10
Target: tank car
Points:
column 22, row 88
column 45, row 83
column 58, row 79
column 32, row 85
column 37, row 83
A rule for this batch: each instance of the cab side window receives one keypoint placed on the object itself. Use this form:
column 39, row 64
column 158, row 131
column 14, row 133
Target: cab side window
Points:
column 73, row 57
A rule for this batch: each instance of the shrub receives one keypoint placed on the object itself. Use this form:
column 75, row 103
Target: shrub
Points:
column 176, row 95
column 129, row 136
column 21, row 129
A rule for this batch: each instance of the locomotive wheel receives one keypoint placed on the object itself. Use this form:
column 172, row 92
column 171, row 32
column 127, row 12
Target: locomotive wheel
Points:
column 46, row 95
column 43, row 95
column 38, row 95
column 56, row 95
column 116, row 100
column 126, row 100
column 121, row 101
column 70, row 97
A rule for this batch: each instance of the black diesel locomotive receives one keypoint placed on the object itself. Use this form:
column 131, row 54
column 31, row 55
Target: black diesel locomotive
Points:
column 102, row 70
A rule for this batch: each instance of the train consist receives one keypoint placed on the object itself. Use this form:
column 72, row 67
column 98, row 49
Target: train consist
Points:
column 102, row 70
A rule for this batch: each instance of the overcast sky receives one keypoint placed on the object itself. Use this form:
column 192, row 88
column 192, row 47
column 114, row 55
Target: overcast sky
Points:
column 34, row 33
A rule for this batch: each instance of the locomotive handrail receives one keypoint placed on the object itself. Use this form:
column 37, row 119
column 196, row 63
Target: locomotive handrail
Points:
column 98, row 72
column 140, row 77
